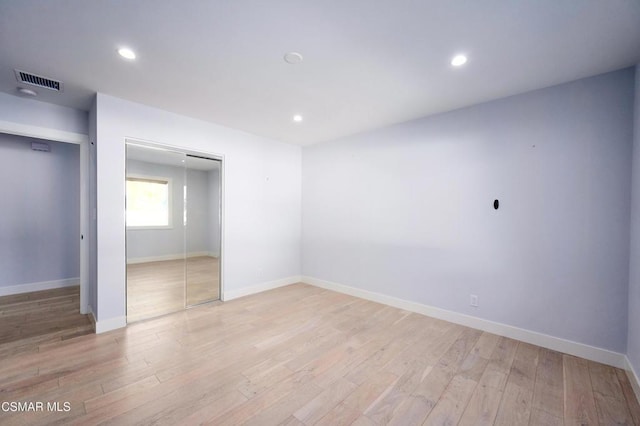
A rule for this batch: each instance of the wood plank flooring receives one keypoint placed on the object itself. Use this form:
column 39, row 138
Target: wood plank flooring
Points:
column 300, row 355
column 28, row 320
column 158, row 288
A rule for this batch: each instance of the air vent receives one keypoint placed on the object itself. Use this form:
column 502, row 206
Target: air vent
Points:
column 38, row 80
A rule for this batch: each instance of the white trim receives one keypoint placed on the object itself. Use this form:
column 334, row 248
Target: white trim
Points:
column 84, row 227
column 42, row 133
column 102, row 326
column 92, row 317
column 259, row 288
column 222, row 206
column 633, row 377
column 582, row 350
column 175, row 256
column 168, row 147
column 43, row 285
column 219, row 157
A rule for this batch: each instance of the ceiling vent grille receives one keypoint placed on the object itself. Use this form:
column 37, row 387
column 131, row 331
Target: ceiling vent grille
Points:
column 38, row 80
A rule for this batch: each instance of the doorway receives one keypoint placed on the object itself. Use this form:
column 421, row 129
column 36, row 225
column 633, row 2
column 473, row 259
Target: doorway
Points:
column 173, row 223
column 42, row 247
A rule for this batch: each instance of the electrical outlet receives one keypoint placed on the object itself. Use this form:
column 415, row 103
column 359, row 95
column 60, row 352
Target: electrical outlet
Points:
column 473, row 300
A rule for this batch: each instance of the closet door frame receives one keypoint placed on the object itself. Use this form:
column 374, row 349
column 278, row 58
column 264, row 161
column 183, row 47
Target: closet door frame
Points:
column 204, row 154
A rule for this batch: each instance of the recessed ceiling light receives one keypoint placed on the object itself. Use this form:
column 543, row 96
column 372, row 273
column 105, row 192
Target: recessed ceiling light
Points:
column 458, row 60
column 127, row 53
column 293, row 58
column 297, row 118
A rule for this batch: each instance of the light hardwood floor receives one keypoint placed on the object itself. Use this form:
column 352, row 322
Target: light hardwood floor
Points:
column 29, row 319
column 303, row 355
column 158, row 288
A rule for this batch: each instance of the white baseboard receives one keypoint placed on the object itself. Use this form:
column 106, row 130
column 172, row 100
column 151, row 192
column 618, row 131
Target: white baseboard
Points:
column 102, row 326
column 105, row 325
column 592, row 353
column 258, row 288
column 633, row 377
column 92, row 317
column 85, row 309
column 43, row 285
column 165, row 257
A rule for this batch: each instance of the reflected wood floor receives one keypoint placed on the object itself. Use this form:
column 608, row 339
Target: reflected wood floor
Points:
column 157, row 288
column 301, row 355
column 30, row 319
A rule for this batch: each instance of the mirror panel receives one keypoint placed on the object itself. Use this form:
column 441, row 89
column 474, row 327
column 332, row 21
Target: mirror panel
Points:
column 173, row 215
column 202, row 230
column 155, row 237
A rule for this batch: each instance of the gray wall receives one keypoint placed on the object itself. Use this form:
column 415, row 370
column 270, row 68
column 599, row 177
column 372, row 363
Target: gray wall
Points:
column 407, row 210
column 40, row 220
column 633, row 344
column 146, row 243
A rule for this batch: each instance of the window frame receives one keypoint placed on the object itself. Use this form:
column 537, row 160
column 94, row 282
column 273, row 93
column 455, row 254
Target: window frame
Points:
column 149, row 178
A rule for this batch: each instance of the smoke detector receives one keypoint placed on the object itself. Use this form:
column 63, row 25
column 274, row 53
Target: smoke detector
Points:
column 293, row 58
column 27, row 92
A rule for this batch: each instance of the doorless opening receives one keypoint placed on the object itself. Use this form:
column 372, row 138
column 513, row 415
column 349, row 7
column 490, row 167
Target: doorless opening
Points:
column 43, row 253
column 45, row 135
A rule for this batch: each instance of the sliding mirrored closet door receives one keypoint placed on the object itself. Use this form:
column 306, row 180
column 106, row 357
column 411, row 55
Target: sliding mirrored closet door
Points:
column 173, row 231
column 202, row 230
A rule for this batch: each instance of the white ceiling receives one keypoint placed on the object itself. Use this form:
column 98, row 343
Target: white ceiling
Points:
column 367, row 63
